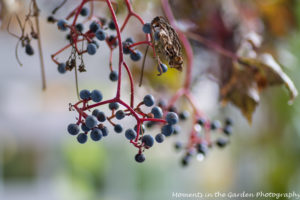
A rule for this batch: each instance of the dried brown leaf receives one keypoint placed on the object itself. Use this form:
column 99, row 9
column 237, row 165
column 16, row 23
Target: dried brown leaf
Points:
column 250, row 77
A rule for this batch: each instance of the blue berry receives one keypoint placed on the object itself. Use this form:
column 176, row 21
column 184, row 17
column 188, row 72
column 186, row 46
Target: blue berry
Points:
column 162, row 103
column 129, row 40
column 84, row 11
column 159, row 138
column 227, row 130
column 96, row 43
column 95, row 112
column 186, row 160
column 111, row 25
column 104, row 131
column 172, row 118
column 147, row 28
column 178, row 145
column 62, row 25
column 135, row 55
column 126, row 49
column 51, row 19
column 113, row 40
column 91, row 48
column 100, row 35
column 149, row 100
column 201, row 121
column 79, row 27
column 177, row 129
column 68, row 37
column 73, row 129
column 61, row 68
column 167, row 130
column 120, row 114
column 118, row 128
column 184, row 115
column 96, row 96
column 113, row 76
column 163, row 67
column 101, row 116
column 215, row 125
column 94, row 26
column 202, row 148
column 140, row 158
column 85, row 94
column 157, row 112
column 130, row 134
column 29, row 50
column 113, row 106
column 82, row 138
column 85, row 128
column 172, row 109
column 96, row 134
column 221, row 142
column 90, row 121
column 148, row 140
column 228, row 121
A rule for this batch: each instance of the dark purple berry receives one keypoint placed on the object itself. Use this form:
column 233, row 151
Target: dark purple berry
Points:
column 118, row 128
column 159, row 138
column 172, row 118
column 148, row 140
column 140, row 158
column 82, row 138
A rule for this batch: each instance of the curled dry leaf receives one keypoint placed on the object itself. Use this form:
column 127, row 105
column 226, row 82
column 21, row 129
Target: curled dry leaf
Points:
column 251, row 75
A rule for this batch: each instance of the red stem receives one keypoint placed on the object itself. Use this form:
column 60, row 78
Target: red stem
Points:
column 131, row 85
column 114, row 18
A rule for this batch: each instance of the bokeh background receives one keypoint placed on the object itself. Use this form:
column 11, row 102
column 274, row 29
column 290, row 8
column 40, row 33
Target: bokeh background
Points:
column 39, row 160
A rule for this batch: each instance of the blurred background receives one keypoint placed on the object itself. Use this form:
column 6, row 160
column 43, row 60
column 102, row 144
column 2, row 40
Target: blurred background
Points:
column 40, row 160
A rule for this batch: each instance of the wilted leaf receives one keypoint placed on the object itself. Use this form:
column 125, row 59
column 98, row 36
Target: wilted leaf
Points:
column 241, row 91
column 250, row 77
column 270, row 73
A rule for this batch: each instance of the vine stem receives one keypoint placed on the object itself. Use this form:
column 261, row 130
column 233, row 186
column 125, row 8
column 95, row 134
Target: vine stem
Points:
column 36, row 16
column 114, row 18
column 212, row 45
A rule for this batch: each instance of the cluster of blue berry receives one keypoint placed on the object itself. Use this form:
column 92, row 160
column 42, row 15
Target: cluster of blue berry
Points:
column 96, row 29
column 135, row 54
column 94, row 123
column 202, row 134
column 202, row 140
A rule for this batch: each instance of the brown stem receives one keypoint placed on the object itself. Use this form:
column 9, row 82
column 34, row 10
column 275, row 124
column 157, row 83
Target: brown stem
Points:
column 36, row 16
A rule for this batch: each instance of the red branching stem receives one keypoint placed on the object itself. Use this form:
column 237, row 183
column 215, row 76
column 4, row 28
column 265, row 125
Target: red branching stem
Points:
column 191, row 99
column 58, row 52
column 110, row 59
column 125, row 22
column 139, row 43
column 212, row 45
column 78, row 11
column 175, row 97
column 131, row 85
column 114, row 18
